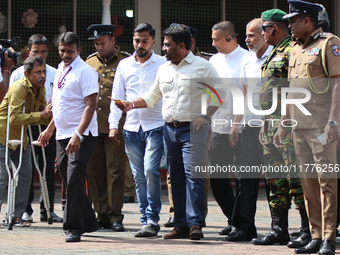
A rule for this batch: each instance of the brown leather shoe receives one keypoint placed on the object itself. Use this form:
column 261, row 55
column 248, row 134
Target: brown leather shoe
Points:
column 177, row 233
column 196, row 232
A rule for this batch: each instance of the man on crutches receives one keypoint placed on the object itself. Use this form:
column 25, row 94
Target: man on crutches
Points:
column 30, row 91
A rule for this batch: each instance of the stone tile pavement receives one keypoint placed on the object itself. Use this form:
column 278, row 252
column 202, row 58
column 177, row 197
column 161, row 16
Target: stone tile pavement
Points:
column 42, row 238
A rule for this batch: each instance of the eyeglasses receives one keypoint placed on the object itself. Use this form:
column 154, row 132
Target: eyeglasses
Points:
column 264, row 27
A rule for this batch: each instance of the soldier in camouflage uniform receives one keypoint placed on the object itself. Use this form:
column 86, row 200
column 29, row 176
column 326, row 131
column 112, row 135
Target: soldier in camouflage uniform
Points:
column 283, row 184
column 106, row 170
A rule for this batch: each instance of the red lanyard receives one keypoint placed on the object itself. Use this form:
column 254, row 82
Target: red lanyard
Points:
column 59, row 80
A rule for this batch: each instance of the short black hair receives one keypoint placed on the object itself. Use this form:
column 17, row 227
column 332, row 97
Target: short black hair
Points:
column 225, row 26
column 144, row 27
column 69, row 38
column 180, row 34
column 313, row 19
column 30, row 62
column 37, row 39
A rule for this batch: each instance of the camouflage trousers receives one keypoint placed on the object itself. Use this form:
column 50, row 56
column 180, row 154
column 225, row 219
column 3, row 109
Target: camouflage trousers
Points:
column 282, row 173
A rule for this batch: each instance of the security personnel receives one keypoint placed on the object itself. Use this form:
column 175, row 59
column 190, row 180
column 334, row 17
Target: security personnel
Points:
column 282, row 186
column 106, row 172
column 171, row 222
column 315, row 55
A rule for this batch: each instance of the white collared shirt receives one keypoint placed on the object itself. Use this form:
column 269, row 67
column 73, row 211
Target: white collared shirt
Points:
column 19, row 73
column 177, row 85
column 68, row 100
column 132, row 80
column 251, row 77
column 228, row 66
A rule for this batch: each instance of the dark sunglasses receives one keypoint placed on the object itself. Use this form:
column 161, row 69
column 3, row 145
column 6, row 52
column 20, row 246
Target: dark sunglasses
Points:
column 264, row 27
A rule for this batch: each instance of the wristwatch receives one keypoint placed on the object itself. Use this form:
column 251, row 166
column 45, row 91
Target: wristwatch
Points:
column 81, row 138
column 332, row 123
column 205, row 117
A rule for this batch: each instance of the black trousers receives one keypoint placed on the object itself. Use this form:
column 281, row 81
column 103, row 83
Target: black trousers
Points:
column 78, row 213
column 50, row 153
column 251, row 155
column 222, row 154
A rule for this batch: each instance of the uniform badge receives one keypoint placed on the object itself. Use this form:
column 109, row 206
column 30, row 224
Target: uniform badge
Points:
column 95, row 33
column 336, row 50
column 313, row 51
column 113, row 69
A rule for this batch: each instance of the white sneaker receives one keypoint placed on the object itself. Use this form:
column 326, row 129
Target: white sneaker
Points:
column 27, row 217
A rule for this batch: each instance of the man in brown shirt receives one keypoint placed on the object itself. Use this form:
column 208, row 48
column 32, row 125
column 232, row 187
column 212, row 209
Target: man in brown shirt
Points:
column 106, row 171
column 315, row 59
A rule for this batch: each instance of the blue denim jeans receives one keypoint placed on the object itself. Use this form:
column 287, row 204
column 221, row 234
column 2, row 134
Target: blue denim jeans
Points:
column 185, row 151
column 145, row 150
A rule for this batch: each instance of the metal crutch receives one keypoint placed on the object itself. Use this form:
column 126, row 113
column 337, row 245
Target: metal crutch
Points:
column 42, row 176
column 12, row 178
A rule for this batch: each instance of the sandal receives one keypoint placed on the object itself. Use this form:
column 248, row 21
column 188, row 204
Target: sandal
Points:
column 18, row 222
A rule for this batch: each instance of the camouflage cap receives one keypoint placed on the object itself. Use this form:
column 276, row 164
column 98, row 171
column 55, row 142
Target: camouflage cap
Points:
column 273, row 15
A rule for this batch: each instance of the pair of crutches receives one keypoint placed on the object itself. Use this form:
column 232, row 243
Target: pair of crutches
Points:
column 13, row 176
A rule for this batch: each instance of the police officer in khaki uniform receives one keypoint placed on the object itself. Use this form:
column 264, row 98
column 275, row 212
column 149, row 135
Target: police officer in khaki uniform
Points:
column 106, row 171
column 171, row 222
column 314, row 58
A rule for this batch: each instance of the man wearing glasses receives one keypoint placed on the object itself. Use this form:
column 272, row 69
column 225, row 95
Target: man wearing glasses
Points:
column 282, row 185
column 38, row 45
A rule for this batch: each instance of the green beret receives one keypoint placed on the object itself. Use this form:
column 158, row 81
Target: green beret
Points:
column 273, row 15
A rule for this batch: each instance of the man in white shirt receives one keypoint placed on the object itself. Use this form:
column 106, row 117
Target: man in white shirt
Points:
column 74, row 103
column 186, row 129
column 38, row 46
column 143, row 128
column 251, row 148
column 227, row 63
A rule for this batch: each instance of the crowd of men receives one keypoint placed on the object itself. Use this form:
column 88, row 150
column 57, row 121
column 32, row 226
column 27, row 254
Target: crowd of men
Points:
column 116, row 109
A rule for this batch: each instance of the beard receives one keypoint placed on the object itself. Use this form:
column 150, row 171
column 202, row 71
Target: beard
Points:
column 142, row 52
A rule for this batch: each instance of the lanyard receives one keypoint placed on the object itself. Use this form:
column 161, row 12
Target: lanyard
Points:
column 59, row 80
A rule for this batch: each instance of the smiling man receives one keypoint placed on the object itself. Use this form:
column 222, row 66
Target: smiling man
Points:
column 31, row 91
column 143, row 129
column 106, row 172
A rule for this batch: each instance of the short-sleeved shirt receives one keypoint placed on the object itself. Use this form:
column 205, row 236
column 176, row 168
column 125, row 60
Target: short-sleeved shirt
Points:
column 228, row 66
column 19, row 73
column 274, row 75
column 71, row 86
column 106, row 69
column 251, row 77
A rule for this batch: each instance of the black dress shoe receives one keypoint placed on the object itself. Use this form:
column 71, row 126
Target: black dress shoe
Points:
column 327, row 247
column 312, row 247
column 128, row 199
column 55, row 218
column 170, row 223
column 302, row 240
column 117, row 226
column 295, row 233
column 103, row 224
column 240, row 235
column 72, row 238
column 226, row 231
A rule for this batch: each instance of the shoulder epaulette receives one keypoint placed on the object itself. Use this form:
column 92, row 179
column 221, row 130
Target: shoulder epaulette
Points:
column 125, row 53
column 206, row 54
column 92, row 55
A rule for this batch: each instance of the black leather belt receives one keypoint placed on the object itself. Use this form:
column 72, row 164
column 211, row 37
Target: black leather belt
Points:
column 178, row 124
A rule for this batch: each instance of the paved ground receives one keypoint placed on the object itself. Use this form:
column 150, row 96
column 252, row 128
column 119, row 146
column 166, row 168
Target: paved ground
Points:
column 41, row 238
